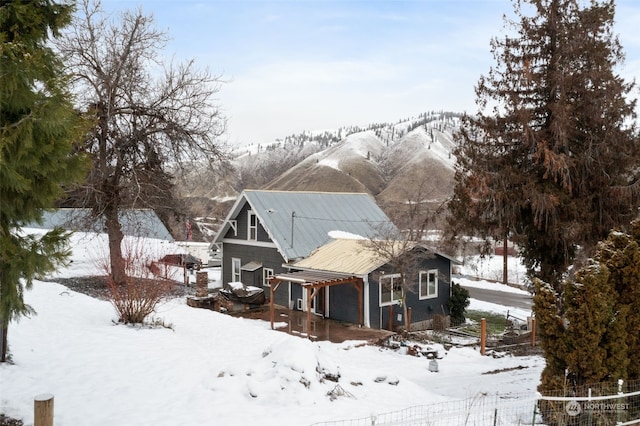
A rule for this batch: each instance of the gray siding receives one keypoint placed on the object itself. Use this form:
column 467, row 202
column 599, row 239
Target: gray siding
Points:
column 269, row 257
column 420, row 309
column 343, row 303
column 242, row 220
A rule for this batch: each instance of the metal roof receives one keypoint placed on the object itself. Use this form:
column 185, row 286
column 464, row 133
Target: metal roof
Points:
column 347, row 256
column 135, row 222
column 355, row 257
column 299, row 221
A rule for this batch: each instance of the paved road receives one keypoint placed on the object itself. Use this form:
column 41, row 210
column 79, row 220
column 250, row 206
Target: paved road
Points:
column 504, row 298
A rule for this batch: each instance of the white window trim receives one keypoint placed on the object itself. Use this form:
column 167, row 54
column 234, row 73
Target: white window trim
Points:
column 382, row 286
column 266, row 274
column 424, row 275
column 254, row 228
column 236, row 269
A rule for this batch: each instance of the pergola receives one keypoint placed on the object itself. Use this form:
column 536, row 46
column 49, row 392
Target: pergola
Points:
column 312, row 282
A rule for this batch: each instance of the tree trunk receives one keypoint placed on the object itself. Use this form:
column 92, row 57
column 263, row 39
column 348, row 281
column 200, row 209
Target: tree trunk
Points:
column 505, row 258
column 114, row 232
column 4, row 330
column 405, row 312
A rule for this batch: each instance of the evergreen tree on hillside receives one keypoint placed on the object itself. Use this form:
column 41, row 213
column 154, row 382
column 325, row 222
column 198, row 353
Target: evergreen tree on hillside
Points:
column 38, row 127
column 552, row 157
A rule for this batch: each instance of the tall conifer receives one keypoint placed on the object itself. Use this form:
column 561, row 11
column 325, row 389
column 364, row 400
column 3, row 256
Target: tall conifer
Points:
column 552, row 158
column 38, row 127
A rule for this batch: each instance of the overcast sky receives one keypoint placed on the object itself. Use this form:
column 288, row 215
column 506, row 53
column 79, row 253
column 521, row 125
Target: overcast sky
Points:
column 295, row 65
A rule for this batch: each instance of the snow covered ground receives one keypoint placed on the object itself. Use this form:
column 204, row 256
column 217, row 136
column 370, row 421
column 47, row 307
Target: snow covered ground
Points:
column 209, row 368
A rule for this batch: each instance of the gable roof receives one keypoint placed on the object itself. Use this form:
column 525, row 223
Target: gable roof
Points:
column 347, row 256
column 135, row 222
column 353, row 256
column 300, row 221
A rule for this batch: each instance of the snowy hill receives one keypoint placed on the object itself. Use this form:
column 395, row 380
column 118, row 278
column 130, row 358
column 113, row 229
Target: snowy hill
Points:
column 410, row 160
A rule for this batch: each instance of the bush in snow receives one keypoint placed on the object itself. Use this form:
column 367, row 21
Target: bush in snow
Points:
column 458, row 303
column 143, row 289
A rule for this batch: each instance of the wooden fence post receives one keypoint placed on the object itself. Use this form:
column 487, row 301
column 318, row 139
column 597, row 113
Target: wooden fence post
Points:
column 483, row 335
column 43, row 410
column 533, row 332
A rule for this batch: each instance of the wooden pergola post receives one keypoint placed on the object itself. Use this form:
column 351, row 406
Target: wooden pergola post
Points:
column 309, row 299
column 272, row 289
column 358, row 286
column 312, row 285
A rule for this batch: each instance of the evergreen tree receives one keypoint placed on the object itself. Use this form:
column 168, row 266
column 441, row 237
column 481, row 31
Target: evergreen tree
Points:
column 458, row 303
column 620, row 252
column 551, row 326
column 552, row 157
column 589, row 305
column 38, row 126
column 590, row 333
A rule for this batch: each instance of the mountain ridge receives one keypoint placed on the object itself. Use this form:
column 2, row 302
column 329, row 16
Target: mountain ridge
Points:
column 410, row 161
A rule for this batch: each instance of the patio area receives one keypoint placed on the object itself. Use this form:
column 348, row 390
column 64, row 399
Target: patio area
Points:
column 295, row 323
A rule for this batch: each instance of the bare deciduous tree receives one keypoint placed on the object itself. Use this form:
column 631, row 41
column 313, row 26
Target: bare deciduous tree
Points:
column 404, row 247
column 152, row 118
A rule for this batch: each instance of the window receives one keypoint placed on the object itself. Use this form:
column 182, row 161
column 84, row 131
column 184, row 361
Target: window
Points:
column 236, row 264
column 429, row 284
column 266, row 274
column 390, row 289
column 252, row 226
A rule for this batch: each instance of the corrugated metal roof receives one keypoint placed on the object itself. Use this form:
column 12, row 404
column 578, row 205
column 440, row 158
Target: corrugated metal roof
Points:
column 135, row 222
column 354, row 257
column 300, row 221
column 347, row 256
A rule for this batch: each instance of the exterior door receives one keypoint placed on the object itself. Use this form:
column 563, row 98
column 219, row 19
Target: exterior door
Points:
column 317, row 303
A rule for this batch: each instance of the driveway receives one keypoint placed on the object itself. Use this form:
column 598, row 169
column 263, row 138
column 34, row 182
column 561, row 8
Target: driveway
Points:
column 503, row 298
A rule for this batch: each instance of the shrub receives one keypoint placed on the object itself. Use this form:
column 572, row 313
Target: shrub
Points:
column 138, row 297
column 458, row 303
column 144, row 288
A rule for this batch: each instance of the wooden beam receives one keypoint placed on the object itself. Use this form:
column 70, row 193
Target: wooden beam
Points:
column 309, row 312
column 273, row 287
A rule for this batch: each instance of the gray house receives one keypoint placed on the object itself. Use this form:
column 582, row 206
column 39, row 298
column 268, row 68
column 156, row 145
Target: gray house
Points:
column 268, row 238
column 352, row 280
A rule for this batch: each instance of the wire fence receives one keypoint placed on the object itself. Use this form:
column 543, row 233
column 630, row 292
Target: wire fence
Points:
column 601, row 404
